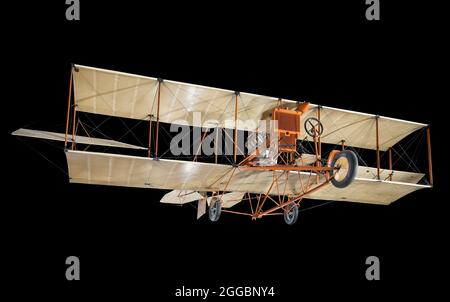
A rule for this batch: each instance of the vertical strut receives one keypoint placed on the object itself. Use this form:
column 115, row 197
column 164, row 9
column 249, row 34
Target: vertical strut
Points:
column 430, row 162
column 235, row 125
column 74, row 126
column 68, row 107
column 390, row 163
column 378, row 147
column 157, row 117
column 319, row 144
column 216, row 144
column 150, row 134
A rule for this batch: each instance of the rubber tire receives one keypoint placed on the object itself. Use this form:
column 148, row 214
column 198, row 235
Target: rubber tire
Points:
column 293, row 220
column 215, row 208
column 352, row 159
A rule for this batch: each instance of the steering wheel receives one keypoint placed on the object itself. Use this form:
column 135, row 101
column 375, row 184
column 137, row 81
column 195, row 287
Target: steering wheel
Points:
column 313, row 127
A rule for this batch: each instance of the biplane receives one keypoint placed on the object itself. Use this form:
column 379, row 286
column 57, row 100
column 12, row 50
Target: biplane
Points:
column 271, row 174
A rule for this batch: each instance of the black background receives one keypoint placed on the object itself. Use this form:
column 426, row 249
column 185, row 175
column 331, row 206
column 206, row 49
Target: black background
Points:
column 128, row 243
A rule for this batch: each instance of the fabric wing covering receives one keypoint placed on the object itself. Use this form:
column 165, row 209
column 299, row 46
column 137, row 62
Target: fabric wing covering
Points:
column 77, row 138
column 131, row 96
column 130, row 171
column 359, row 129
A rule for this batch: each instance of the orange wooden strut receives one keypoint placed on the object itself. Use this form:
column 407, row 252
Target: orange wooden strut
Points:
column 287, row 168
column 157, row 118
column 261, row 214
column 318, row 138
column 235, row 126
column 74, row 127
column 150, row 136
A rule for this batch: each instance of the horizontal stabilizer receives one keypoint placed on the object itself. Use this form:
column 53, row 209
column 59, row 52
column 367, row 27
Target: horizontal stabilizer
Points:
column 181, row 197
column 229, row 199
column 78, row 138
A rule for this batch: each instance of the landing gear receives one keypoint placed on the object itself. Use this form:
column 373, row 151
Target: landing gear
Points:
column 291, row 214
column 345, row 166
column 215, row 208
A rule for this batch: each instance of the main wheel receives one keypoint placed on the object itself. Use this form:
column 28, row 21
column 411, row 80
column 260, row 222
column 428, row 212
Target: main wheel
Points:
column 291, row 214
column 345, row 166
column 215, row 208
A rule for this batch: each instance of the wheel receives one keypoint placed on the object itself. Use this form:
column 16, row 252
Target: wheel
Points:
column 346, row 163
column 313, row 126
column 291, row 214
column 215, row 208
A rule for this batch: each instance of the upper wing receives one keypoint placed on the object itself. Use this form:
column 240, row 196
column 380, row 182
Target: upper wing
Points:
column 359, row 129
column 131, row 171
column 126, row 95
